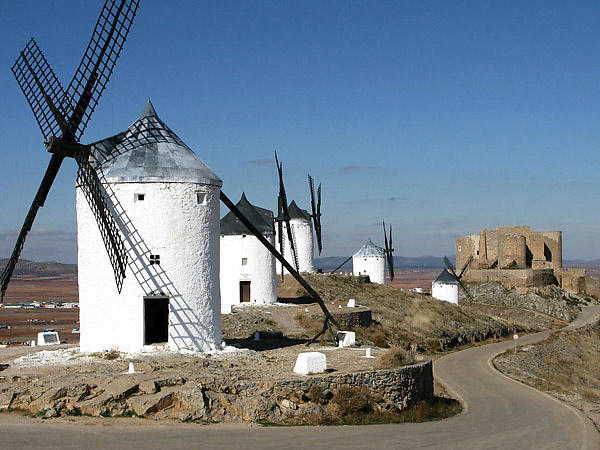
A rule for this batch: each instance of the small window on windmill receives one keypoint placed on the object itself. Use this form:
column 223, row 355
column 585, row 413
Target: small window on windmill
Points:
column 155, row 260
column 244, row 261
column 139, row 197
column 201, row 198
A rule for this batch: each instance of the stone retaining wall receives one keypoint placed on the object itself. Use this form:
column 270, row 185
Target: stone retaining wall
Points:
column 350, row 319
column 231, row 401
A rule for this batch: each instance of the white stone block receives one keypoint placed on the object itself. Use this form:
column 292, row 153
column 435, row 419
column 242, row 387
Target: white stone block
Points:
column 351, row 303
column 310, row 362
column 48, row 338
column 346, row 338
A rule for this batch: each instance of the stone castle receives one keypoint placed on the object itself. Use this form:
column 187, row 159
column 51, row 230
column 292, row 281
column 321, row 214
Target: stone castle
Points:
column 517, row 257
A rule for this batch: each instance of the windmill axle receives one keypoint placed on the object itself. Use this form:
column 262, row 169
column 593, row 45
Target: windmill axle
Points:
column 66, row 149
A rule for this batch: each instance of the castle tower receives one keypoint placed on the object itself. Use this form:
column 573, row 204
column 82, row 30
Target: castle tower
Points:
column 369, row 260
column 302, row 230
column 166, row 203
column 247, row 267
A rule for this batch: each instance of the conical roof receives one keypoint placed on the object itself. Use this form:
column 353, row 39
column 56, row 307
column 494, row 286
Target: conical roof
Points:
column 149, row 151
column 369, row 249
column 297, row 213
column 446, row 277
column 261, row 218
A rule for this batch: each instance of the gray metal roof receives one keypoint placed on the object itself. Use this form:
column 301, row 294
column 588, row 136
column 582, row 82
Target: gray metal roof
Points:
column 369, row 249
column 446, row 278
column 149, row 151
column 259, row 217
column 297, row 213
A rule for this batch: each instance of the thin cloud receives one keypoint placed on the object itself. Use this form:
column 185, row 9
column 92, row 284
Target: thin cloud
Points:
column 261, row 162
column 359, row 168
column 398, row 199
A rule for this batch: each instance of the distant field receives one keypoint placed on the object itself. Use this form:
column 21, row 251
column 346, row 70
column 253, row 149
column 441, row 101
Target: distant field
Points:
column 31, row 288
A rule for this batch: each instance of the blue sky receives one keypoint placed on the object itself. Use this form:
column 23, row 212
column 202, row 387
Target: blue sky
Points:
column 444, row 118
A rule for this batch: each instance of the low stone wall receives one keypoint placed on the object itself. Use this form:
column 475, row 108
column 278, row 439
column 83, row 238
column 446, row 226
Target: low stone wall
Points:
column 400, row 387
column 234, row 401
column 350, row 319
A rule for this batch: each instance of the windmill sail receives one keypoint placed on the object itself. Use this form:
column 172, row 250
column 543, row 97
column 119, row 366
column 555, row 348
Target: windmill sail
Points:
column 66, row 114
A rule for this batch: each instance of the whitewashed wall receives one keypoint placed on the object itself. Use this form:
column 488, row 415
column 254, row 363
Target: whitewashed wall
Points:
column 303, row 238
column 170, row 223
column 446, row 292
column 260, row 270
column 374, row 266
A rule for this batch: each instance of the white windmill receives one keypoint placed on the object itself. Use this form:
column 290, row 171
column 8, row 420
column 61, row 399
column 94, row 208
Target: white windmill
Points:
column 247, row 266
column 166, row 204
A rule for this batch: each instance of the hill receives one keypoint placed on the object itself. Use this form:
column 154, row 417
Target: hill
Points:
column 41, row 269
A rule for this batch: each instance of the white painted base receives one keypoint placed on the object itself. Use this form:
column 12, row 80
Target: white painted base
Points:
column 310, row 362
column 346, row 338
column 48, row 338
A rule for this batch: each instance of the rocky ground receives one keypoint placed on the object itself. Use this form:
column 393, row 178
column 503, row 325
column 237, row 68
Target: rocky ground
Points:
column 549, row 300
column 239, row 384
column 401, row 318
column 566, row 365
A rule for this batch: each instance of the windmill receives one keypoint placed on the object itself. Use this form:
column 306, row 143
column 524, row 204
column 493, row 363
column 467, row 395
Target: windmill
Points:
column 316, row 211
column 458, row 277
column 283, row 216
column 389, row 250
column 63, row 115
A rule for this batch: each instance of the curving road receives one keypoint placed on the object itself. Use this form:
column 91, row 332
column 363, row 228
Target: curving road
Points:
column 499, row 413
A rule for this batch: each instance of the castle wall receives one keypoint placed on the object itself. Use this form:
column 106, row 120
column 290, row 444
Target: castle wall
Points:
column 517, row 278
column 512, row 251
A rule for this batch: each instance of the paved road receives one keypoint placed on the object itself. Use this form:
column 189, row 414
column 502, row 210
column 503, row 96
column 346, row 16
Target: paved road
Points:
column 499, row 413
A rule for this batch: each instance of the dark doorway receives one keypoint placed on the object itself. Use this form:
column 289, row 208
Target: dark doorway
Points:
column 547, row 253
column 156, row 320
column 244, row 291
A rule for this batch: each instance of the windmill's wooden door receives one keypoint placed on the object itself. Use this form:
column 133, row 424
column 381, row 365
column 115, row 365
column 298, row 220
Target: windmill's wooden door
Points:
column 244, row 291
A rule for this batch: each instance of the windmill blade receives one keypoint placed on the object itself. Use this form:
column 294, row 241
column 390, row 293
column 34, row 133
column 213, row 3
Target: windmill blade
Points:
column 38, row 202
column 341, row 265
column 98, row 62
column 313, row 204
column 391, row 257
column 385, row 239
column 464, row 288
column 316, row 211
column 319, row 229
column 285, row 214
column 464, row 269
column 290, row 234
column 450, row 267
column 41, row 88
column 448, row 263
column 91, row 187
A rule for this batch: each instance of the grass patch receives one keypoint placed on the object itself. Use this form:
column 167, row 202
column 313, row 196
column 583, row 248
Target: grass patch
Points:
column 395, row 357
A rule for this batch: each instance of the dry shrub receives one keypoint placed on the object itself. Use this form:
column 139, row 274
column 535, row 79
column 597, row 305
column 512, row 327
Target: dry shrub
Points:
column 351, row 400
column 316, row 394
column 395, row 357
